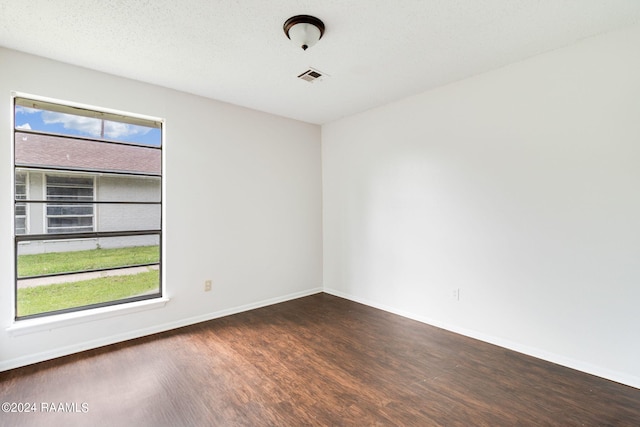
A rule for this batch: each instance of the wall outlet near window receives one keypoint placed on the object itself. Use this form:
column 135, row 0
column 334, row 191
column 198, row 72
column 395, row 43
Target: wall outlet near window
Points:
column 456, row 294
column 207, row 285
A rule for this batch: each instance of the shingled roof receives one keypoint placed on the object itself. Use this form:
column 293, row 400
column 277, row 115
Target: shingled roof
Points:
column 47, row 151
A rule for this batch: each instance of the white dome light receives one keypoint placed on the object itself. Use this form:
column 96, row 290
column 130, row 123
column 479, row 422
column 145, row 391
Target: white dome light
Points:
column 304, row 30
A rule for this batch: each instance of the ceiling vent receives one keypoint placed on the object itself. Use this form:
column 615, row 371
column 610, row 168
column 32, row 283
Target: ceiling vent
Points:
column 312, row 75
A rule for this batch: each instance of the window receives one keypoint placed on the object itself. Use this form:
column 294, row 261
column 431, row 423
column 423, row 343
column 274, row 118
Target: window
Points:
column 66, row 217
column 21, row 208
column 88, row 208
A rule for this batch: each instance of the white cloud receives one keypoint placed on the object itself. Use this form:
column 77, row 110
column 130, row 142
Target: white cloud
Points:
column 26, row 110
column 82, row 124
column 93, row 127
column 118, row 130
column 26, row 126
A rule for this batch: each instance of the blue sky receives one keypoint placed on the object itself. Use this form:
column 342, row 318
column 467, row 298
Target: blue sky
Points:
column 69, row 124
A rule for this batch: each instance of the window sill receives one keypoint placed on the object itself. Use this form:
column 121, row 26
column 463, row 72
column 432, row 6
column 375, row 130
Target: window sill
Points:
column 30, row 326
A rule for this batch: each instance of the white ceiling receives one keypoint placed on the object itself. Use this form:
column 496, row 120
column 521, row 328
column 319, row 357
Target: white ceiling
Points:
column 375, row 51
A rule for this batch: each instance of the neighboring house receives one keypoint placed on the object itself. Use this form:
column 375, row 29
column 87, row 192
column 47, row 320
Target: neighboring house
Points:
column 52, row 169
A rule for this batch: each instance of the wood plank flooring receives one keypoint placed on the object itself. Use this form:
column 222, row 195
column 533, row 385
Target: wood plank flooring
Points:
column 314, row 361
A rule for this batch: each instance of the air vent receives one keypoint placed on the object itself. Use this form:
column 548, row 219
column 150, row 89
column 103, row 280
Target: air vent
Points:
column 312, row 75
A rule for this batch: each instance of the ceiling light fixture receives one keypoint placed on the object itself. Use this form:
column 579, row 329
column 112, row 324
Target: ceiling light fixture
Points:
column 304, row 30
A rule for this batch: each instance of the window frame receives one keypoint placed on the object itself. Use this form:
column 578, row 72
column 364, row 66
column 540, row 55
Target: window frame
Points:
column 126, row 304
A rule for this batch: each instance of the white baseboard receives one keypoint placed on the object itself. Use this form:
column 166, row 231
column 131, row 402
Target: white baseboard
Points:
column 88, row 345
column 619, row 377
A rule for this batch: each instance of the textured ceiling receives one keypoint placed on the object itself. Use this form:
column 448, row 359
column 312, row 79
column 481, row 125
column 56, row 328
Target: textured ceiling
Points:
column 374, row 51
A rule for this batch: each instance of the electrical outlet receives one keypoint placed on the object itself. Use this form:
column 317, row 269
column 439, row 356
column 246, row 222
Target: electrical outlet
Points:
column 207, row 285
column 456, row 294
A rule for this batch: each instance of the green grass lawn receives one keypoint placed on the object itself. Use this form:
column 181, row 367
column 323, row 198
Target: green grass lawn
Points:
column 42, row 299
column 60, row 296
column 66, row 262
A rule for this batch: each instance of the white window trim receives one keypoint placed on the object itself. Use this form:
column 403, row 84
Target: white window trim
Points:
column 55, row 321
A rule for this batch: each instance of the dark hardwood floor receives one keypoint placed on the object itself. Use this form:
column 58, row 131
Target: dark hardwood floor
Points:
column 319, row 360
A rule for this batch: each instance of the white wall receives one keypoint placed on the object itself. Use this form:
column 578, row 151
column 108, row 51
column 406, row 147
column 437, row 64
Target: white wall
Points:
column 243, row 205
column 520, row 187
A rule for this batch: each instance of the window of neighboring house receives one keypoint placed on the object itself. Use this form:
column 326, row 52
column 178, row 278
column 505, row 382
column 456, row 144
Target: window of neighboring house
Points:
column 21, row 208
column 66, row 217
column 91, row 183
